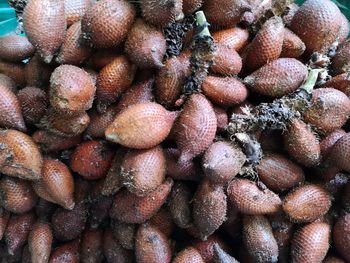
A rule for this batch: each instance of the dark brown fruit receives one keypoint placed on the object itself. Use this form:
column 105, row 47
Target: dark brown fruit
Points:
column 40, row 241
column 113, row 251
column 4, row 218
column 344, row 29
column 130, row 208
column 328, row 142
column 66, row 253
column 267, row 44
column 99, row 122
column 100, row 205
column 34, row 103
column 317, row 23
column 188, row 255
column 293, row 46
column 340, row 82
column 49, row 142
column 279, row 173
column 145, row 45
column 302, row 144
column 341, row 62
column 222, row 161
column 102, row 57
column 330, row 109
column 249, row 199
column 151, row 245
column 340, row 153
column 107, row 22
column 234, row 38
column 189, row 6
column 180, row 205
column 8, row 83
column 142, row 171
column 45, row 26
column 222, row 118
column 15, row 48
column 13, row 70
column 75, row 9
column 220, row 256
column 226, row 61
column 259, row 240
column 91, row 246
column 92, row 159
column 10, row 107
column 331, row 259
column 195, row 128
column 124, row 234
column 206, row 248
column 278, row 78
column 341, row 236
column 311, row 243
column 307, row 203
column 37, row 73
column 346, row 198
column 163, row 221
column 141, row 126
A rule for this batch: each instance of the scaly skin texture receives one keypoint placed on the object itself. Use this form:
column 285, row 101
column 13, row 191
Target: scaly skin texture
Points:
column 293, row 46
column 75, row 9
column 189, row 254
column 40, row 241
column 341, row 236
column 15, row 48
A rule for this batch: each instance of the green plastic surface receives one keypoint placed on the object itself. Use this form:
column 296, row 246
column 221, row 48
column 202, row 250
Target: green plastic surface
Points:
column 8, row 21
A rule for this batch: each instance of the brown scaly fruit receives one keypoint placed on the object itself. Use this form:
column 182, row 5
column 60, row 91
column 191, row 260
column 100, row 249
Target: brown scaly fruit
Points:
column 15, row 48
column 75, row 9
column 293, row 46
column 40, row 241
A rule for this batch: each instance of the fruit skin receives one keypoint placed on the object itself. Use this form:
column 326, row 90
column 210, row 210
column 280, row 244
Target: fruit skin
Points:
column 278, row 173
column 124, row 234
column 163, row 221
column 330, row 109
column 102, row 57
column 99, row 122
column 129, row 208
column 267, row 44
column 68, row 252
column 40, row 241
column 222, row 118
column 8, row 83
column 340, row 153
column 341, row 61
column 141, row 126
column 331, row 259
column 142, row 171
column 145, row 45
column 307, row 203
column 188, row 254
column 113, row 251
column 293, row 46
column 317, row 23
column 224, row 92
column 151, row 245
column 92, row 159
column 222, row 161
column 250, row 200
column 37, row 73
column 4, row 218
column 209, row 208
column 233, row 38
column 91, row 246
column 73, row 50
column 311, row 243
column 11, row 114
column 206, row 248
column 75, row 10
column 344, row 29
column 189, row 6
column 180, row 205
column 302, row 144
column 340, row 82
column 258, row 239
column 328, row 142
column 20, row 156
column 341, row 234
column 227, row 61
column 113, row 80
column 72, row 90
column 278, row 78
column 195, row 128
column 13, row 70
column 45, row 24
column 161, row 13
column 15, row 48
column 107, row 22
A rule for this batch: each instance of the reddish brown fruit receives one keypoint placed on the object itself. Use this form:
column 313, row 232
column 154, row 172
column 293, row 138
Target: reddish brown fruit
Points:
column 69, row 224
column 340, row 153
column 4, row 218
column 346, row 198
column 34, row 103
column 49, row 142
column 190, row 254
column 17, row 195
column 226, row 61
column 209, row 208
column 71, row 90
column 302, row 144
column 141, row 126
column 330, row 109
column 340, row 82
column 37, row 73
column 341, row 236
column 206, row 248
column 8, row 83
column 163, row 221
column 66, row 253
column 171, row 78
column 124, row 234
column 222, row 118
column 10, row 107
column 278, row 78
column 107, row 22
column 311, row 243
column 233, row 222
column 222, row 162
column 102, row 57
column 224, row 92
column 289, row 13
column 113, row 251
column 75, row 9
column 100, row 122
column 331, row 259
column 91, row 246
column 45, row 26
column 259, row 240
column 15, row 48
column 92, row 159
column 344, row 29
column 267, row 44
column 341, row 62
column 293, row 46
column 151, row 245
column 13, row 70
column 145, row 45
column 279, row 173
column 73, row 50
column 17, row 231
column 307, row 203
column 249, row 199
column 130, row 208
column 40, row 189
column 189, row 6
column 143, row 171
column 195, row 128
column 234, row 38
column 40, row 241
column 220, row 256
column 328, row 142
column 318, row 24
column 161, row 13
column 180, row 205
column 114, row 79
column 100, row 205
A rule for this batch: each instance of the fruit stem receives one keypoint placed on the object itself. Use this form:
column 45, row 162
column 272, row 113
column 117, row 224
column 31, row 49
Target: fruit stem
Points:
column 311, row 80
column 202, row 24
